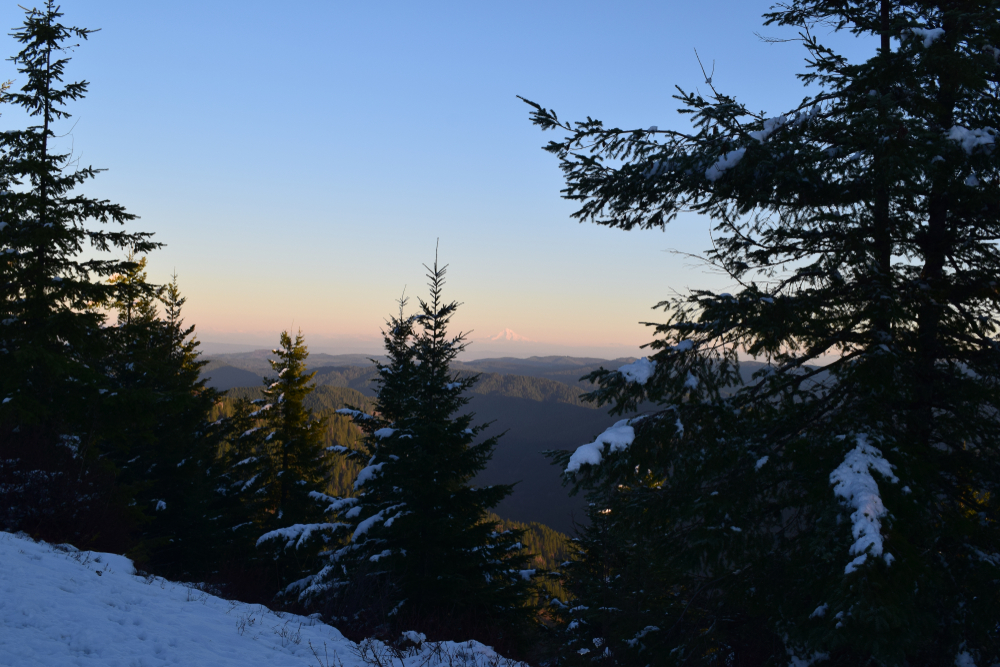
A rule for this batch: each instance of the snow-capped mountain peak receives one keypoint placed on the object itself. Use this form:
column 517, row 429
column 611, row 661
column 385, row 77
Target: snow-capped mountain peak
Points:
column 509, row 334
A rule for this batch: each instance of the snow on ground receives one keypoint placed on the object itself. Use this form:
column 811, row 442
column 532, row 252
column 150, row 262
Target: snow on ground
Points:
column 60, row 606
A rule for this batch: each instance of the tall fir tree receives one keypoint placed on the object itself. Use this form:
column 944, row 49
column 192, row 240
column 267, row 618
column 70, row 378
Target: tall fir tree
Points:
column 52, row 386
column 50, row 325
column 842, row 513
column 164, row 446
column 422, row 551
column 300, row 465
column 190, row 442
column 296, row 432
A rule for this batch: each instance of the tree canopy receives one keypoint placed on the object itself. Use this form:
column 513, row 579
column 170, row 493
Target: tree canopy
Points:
column 841, row 510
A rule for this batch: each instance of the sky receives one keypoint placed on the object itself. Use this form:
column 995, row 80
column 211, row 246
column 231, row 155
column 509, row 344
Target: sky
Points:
column 302, row 162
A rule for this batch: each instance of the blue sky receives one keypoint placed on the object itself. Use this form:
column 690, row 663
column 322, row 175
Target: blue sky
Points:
column 300, row 161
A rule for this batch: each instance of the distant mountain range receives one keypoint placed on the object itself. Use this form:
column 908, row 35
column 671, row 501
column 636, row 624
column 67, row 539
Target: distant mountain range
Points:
column 567, row 370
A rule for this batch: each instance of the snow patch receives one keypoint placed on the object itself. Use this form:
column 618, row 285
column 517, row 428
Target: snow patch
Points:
column 365, row 525
column 852, row 481
column 367, row 473
column 642, row 633
column 617, row 437
column 856, row 563
column 691, row 382
column 724, row 163
column 929, row 35
column 770, row 125
column 638, row 371
column 971, row 139
column 803, row 117
column 335, row 504
column 415, row 637
column 298, row 534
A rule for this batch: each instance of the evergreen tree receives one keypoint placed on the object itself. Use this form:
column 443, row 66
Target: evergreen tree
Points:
column 846, row 513
column 248, row 482
column 298, row 459
column 50, row 327
column 135, row 298
column 423, row 551
column 164, row 446
column 51, row 341
column 297, row 434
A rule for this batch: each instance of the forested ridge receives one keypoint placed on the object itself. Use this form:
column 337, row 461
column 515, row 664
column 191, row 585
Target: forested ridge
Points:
column 360, row 378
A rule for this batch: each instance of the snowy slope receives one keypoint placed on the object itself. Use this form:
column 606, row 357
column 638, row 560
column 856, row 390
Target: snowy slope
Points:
column 60, row 606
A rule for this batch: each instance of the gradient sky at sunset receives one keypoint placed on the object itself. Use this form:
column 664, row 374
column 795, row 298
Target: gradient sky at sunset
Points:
column 300, row 160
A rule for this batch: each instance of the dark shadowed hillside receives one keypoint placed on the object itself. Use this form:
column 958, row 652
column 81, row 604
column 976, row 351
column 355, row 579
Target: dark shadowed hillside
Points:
column 227, row 377
column 567, row 370
column 531, row 428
